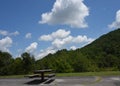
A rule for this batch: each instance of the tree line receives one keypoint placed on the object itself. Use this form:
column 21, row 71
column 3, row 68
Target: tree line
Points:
column 101, row 55
column 20, row 65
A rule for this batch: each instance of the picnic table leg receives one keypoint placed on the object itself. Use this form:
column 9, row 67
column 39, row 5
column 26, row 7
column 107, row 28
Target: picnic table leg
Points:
column 42, row 76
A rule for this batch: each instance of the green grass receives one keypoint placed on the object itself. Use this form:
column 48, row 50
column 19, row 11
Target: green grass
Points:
column 108, row 73
column 12, row 76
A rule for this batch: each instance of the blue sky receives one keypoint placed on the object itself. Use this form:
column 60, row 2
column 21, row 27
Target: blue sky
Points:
column 41, row 27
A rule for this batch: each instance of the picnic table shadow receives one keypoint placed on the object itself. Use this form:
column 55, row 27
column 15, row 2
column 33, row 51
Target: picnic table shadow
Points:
column 38, row 81
column 117, row 83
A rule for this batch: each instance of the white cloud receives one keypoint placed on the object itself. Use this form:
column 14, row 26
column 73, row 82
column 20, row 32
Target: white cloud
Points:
column 62, row 39
column 59, row 43
column 14, row 33
column 32, row 47
column 28, row 35
column 61, row 33
column 80, row 39
column 67, row 12
column 116, row 23
column 46, row 38
column 3, row 32
column 6, row 33
column 5, row 43
column 45, row 52
column 73, row 47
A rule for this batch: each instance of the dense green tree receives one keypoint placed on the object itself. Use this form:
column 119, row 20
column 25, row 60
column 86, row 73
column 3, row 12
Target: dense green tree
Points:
column 63, row 66
column 18, row 66
column 5, row 63
column 27, row 62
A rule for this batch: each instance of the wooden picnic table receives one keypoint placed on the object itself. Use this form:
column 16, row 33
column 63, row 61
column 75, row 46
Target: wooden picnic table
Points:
column 42, row 72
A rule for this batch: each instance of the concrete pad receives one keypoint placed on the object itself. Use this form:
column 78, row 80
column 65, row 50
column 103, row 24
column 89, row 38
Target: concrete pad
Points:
column 64, row 81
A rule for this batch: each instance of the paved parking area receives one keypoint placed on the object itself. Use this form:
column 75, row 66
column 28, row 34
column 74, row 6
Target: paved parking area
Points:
column 64, row 81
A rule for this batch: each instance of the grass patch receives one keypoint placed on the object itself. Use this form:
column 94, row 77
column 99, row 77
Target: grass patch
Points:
column 108, row 73
column 13, row 76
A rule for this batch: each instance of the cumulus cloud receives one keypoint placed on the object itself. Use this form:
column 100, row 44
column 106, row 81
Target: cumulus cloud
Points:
column 65, row 40
column 80, row 39
column 61, row 43
column 45, row 52
column 32, row 47
column 5, row 43
column 116, row 23
column 6, row 33
column 67, row 12
column 14, row 33
column 3, row 32
column 61, row 33
column 46, row 38
column 58, row 43
column 73, row 47
column 28, row 35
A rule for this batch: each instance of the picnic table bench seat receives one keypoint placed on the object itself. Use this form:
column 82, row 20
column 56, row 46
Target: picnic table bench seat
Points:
column 38, row 75
column 32, row 76
column 51, row 75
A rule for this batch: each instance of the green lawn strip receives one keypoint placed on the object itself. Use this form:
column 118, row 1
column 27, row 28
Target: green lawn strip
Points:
column 109, row 73
column 13, row 76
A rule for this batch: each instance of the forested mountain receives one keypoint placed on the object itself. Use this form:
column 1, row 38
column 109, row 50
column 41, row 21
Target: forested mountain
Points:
column 101, row 55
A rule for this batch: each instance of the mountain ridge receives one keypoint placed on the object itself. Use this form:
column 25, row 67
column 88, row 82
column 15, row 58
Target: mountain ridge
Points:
column 100, row 55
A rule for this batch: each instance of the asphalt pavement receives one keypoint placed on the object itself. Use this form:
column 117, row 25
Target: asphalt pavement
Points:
column 64, row 81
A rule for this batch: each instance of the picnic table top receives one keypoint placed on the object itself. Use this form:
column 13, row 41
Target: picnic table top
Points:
column 44, row 70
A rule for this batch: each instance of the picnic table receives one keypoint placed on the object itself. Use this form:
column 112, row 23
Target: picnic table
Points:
column 42, row 74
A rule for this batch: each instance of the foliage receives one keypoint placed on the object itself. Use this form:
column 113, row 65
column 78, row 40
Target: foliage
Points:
column 21, row 65
column 101, row 55
column 28, row 62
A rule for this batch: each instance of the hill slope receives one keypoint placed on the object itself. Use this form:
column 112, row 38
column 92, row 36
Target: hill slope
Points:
column 102, row 54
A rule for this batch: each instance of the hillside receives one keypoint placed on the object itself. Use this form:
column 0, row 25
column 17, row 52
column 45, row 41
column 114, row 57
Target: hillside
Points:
column 101, row 55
